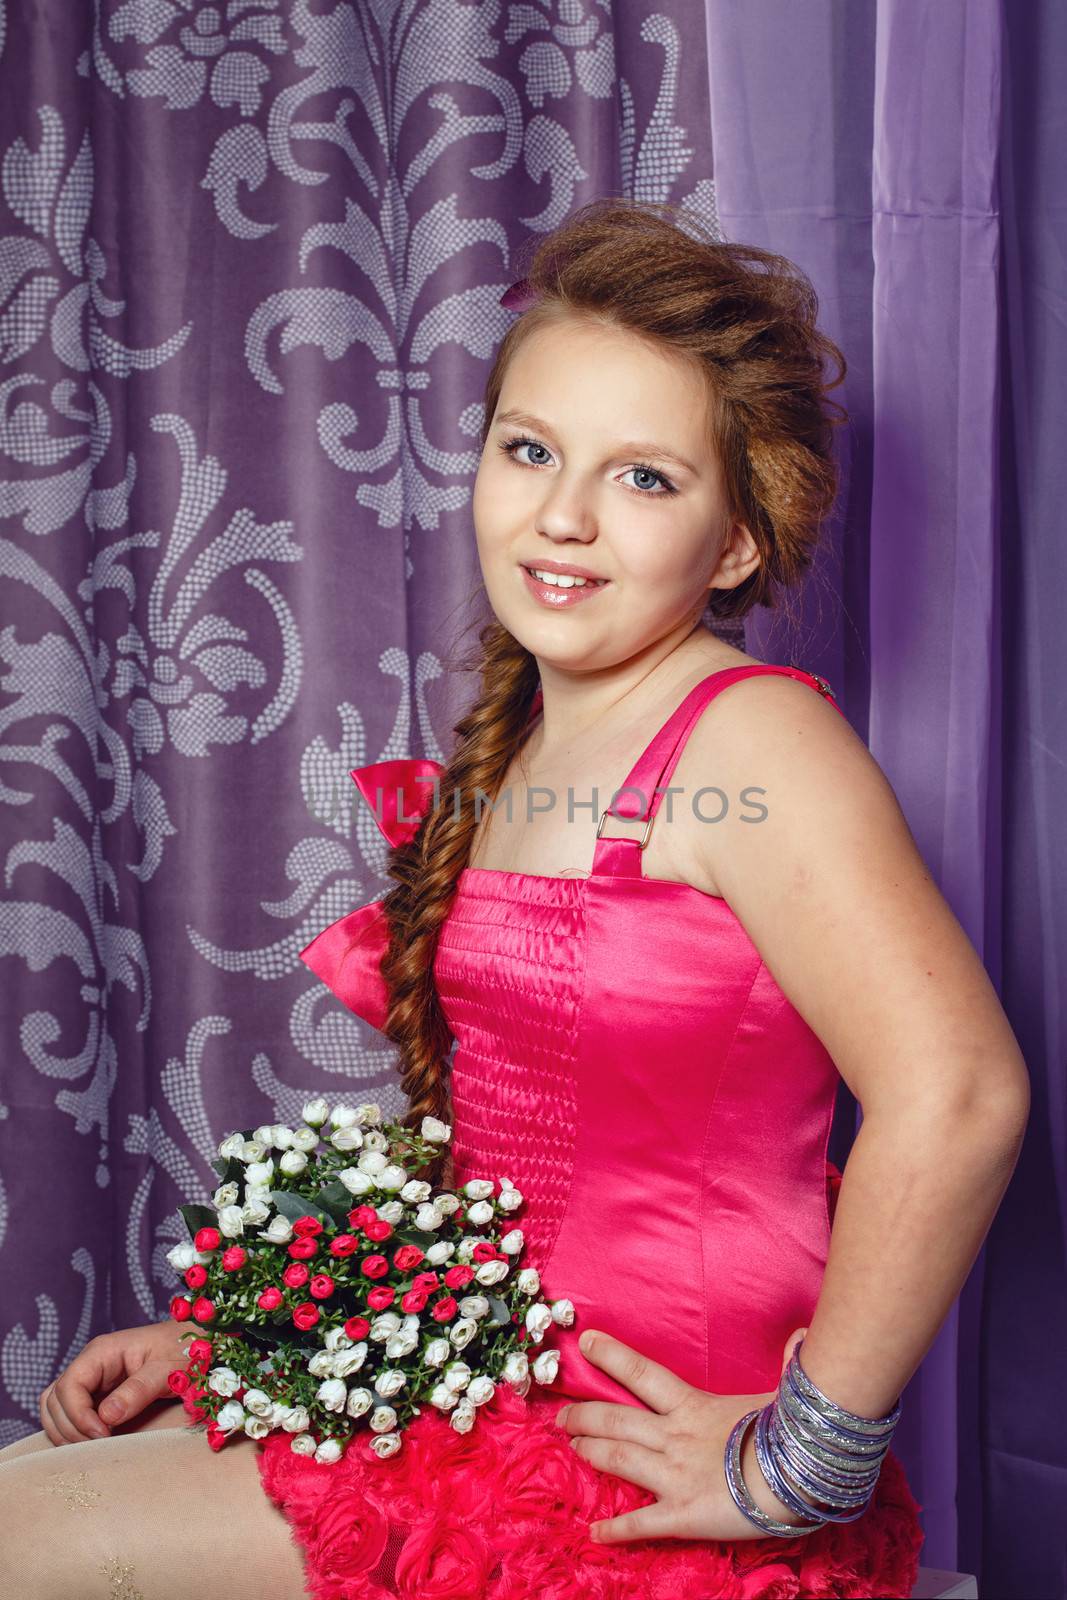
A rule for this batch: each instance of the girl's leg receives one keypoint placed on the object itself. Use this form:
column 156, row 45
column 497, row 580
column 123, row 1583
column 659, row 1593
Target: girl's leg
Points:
column 160, row 1414
column 138, row 1516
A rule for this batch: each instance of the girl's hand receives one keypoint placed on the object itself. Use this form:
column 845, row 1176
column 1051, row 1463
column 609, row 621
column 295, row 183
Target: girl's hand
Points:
column 675, row 1450
column 129, row 1367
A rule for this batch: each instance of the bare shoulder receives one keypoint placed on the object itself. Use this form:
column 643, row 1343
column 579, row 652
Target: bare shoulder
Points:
column 815, row 857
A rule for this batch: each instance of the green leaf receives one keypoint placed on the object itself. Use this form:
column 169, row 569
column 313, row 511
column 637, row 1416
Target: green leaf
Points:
column 295, row 1205
column 197, row 1217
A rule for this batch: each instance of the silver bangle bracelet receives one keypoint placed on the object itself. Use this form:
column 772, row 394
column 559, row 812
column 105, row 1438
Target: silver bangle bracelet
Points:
column 739, row 1491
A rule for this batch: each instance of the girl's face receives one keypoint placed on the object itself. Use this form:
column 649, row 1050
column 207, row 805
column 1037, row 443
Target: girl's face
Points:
column 599, row 456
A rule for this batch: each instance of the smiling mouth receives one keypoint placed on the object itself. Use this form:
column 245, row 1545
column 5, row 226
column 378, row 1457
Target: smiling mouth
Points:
column 564, row 580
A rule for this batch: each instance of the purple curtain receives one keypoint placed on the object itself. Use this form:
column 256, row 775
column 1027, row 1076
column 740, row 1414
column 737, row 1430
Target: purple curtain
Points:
column 907, row 153
column 250, row 258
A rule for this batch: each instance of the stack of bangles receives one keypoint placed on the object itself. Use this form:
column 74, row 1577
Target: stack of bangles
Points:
column 805, row 1444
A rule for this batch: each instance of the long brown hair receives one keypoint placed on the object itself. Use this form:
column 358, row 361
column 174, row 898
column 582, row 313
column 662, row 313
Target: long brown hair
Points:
column 747, row 316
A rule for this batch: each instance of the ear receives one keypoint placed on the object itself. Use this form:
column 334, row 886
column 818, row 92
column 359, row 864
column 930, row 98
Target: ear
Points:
column 737, row 559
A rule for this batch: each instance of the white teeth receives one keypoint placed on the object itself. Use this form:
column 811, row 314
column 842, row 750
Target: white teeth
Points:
column 561, row 580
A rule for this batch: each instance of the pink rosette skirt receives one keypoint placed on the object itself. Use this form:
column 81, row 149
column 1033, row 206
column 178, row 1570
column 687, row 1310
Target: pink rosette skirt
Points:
column 502, row 1513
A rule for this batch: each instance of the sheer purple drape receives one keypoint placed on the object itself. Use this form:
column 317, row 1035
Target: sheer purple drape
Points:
column 904, row 152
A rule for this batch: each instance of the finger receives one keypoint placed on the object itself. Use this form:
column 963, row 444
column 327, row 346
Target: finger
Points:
column 72, row 1403
column 136, row 1392
column 64, row 1429
column 790, row 1344
column 606, row 1421
column 655, row 1384
column 635, row 1463
column 656, row 1521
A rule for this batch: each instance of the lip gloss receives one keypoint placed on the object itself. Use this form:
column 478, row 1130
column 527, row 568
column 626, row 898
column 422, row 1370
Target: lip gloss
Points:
column 557, row 598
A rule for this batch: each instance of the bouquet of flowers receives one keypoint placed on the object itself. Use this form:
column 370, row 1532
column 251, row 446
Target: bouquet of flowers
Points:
column 330, row 1287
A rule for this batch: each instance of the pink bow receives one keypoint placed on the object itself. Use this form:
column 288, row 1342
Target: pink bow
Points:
column 347, row 954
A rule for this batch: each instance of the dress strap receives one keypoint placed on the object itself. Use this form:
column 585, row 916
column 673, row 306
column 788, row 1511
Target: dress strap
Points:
column 639, row 798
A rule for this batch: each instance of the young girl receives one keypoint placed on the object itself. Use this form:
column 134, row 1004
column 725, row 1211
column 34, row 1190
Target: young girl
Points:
column 691, row 906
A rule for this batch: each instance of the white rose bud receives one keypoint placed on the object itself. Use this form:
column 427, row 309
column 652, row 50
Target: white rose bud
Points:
column 391, row 1211
column 297, row 1419
column 414, row 1190
column 260, row 1404
column 233, row 1145
column 386, row 1444
column 457, row 1375
column 481, row 1389
column 337, row 1339
column 545, row 1366
column 293, row 1163
column 182, row 1257
column 231, row 1222
column 480, row 1213
column 373, row 1161
column 345, row 1139
column 257, row 1427
column 437, row 1352
column 439, row 1251
column 390, row 1381
column 265, row 1135
column 333, row 1394
column 563, row 1313
column 356, row 1182
column 231, row 1417
column 260, row 1172
column 491, row 1272
column 279, row 1230
column 223, row 1381
column 385, row 1324
column 474, row 1305
column 304, row 1139
column 442, row 1398
column 375, row 1139
column 435, row 1131
column 283, row 1136
column 392, row 1177
column 427, row 1218
column 225, row 1195
column 447, row 1203
column 344, row 1117
column 462, row 1419
column 382, row 1419
column 315, row 1112
column 345, row 1362
column 254, row 1211
column 538, row 1319
column 508, row 1200
column 320, row 1365
column 401, row 1344
column 329, row 1451
column 303, row 1445
column 359, row 1401
column 462, row 1332
column 513, row 1241
column 478, row 1189
column 465, row 1250
column 516, row 1367
column 252, row 1150
column 528, row 1280
column 369, row 1113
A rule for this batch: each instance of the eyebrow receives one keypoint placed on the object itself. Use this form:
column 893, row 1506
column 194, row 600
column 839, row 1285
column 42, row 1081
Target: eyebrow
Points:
column 638, row 447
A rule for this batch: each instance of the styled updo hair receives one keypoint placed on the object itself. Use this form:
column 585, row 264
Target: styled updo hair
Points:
column 747, row 317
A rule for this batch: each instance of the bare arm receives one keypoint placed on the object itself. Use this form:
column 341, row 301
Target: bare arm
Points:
column 833, row 892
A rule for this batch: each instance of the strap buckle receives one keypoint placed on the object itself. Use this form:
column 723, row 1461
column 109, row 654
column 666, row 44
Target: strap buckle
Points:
column 623, row 838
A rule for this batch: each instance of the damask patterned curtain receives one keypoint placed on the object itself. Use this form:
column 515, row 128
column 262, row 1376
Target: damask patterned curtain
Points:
column 251, row 255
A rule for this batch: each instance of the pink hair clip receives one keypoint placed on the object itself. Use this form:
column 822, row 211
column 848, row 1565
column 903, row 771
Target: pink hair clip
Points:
column 519, row 296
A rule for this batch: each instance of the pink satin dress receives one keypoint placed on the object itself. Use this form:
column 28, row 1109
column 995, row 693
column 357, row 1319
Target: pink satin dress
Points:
column 625, row 1057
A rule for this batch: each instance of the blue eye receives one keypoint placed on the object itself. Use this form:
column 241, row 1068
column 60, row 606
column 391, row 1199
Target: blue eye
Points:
column 519, row 441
